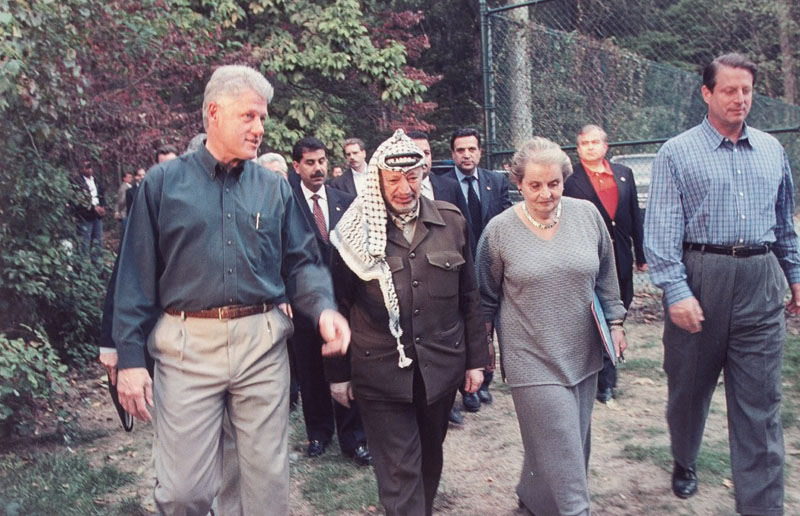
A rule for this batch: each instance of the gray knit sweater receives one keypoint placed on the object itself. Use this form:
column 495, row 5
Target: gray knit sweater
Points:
column 539, row 294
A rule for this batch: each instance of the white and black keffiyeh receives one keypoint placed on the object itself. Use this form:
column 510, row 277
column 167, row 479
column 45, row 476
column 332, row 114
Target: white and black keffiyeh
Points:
column 360, row 235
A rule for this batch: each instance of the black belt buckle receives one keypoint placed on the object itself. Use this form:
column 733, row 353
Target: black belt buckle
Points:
column 739, row 250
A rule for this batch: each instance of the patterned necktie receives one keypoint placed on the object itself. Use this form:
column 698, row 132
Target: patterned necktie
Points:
column 319, row 218
column 474, row 207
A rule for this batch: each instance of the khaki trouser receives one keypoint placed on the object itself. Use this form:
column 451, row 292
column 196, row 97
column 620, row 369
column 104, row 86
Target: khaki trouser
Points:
column 202, row 367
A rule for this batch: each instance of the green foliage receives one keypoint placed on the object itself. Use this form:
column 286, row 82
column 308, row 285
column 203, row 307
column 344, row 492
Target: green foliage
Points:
column 112, row 80
column 335, row 72
column 65, row 484
column 32, row 378
column 46, row 284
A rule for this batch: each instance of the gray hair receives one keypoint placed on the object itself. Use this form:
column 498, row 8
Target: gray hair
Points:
column 588, row 128
column 195, row 143
column 273, row 157
column 232, row 80
column 354, row 141
column 541, row 151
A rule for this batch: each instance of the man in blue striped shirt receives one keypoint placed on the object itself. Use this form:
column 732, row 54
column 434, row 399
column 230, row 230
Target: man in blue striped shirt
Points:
column 719, row 238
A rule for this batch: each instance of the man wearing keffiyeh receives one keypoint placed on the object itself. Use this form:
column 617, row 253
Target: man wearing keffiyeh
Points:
column 407, row 283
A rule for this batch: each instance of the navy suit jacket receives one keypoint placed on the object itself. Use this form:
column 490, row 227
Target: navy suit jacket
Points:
column 494, row 197
column 345, row 182
column 445, row 188
column 338, row 202
column 626, row 228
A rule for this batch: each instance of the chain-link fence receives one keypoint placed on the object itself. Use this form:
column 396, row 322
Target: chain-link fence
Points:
column 631, row 66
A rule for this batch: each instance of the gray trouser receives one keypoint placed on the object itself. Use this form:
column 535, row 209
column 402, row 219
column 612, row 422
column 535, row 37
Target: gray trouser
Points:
column 205, row 367
column 556, row 426
column 743, row 335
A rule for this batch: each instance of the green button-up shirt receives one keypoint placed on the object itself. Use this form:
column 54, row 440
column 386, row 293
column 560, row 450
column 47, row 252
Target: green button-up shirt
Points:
column 199, row 237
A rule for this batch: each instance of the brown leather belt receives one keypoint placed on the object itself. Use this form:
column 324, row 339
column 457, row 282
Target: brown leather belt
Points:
column 224, row 312
column 737, row 251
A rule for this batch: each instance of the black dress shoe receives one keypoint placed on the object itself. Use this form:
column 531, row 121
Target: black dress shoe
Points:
column 361, row 455
column 455, row 416
column 684, row 481
column 484, row 395
column 472, row 403
column 315, row 448
column 605, row 395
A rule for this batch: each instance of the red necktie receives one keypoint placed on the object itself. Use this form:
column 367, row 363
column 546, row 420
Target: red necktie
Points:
column 319, row 218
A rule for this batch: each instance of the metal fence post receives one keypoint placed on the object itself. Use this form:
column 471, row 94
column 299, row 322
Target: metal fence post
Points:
column 486, row 74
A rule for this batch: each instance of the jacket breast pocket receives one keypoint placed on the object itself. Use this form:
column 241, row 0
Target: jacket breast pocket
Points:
column 444, row 273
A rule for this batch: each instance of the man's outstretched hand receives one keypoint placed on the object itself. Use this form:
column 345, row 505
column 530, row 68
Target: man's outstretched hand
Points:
column 335, row 330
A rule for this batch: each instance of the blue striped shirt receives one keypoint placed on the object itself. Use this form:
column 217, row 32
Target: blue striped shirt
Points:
column 709, row 190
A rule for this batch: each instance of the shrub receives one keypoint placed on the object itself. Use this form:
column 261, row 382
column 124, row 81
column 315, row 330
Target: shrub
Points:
column 44, row 283
column 32, row 379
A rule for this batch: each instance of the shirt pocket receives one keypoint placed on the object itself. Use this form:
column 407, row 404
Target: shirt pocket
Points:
column 259, row 237
column 444, row 273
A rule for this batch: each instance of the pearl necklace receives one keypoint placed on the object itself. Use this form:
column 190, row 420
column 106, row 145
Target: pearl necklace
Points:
column 539, row 224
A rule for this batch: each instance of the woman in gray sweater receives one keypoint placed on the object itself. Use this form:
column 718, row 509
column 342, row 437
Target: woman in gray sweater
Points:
column 539, row 264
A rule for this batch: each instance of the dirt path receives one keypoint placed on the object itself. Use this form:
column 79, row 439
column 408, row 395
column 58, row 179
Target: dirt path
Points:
column 630, row 463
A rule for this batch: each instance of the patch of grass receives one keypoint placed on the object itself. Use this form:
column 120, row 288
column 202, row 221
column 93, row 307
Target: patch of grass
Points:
column 655, row 431
column 791, row 382
column 64, row 484
column 646, row 367
column 714, row 458
column 335, row 483
column 332, row 482
column 659, row 455
column 648, row 344
column 713, row 461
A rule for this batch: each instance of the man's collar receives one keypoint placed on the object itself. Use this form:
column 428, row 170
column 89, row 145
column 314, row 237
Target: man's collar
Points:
column 308, row 193
column 714, row 138
column 460, row 175
column 428, row 212
column 606, row 167
column 357, row 173
column 213, row 167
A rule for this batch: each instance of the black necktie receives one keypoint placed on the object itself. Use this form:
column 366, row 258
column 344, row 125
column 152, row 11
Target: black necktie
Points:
column 474, row 207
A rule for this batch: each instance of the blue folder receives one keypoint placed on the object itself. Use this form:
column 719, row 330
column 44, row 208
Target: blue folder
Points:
column 602, row 326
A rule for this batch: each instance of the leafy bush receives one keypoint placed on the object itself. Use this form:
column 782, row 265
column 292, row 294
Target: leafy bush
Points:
column 44, row 283
column 32, row 378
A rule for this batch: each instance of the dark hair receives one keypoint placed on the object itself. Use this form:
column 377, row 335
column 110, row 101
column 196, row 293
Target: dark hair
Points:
column 166, row 149
column 732, row 60
column 309, row 143
column 461, row 133
column 127, row 174
column 417, row 135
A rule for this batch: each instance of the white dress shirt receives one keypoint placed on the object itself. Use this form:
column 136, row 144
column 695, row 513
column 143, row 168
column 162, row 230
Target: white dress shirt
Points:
column 426, row 188
column 360, row 180
column 92, row 190
column 323, row 202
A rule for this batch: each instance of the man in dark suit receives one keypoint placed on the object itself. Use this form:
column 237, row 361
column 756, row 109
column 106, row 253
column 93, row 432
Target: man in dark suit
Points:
column 484, row 194
column 407, row 283
column 130, row 195
column 322, row 207
column 89, row 211
column 434, row 186
column 353, row 179
column 610, row 187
